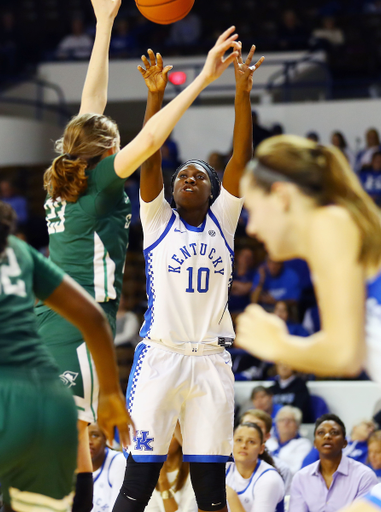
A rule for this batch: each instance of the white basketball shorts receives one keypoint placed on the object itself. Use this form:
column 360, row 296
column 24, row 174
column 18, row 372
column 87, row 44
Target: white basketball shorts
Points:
column 166, row 386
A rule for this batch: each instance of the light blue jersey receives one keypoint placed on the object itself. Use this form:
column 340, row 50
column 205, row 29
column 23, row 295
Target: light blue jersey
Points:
column 373, row 328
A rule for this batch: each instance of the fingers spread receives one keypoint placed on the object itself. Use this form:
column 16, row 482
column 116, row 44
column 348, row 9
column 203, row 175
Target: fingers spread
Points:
column 145, row 61
column 250, row 55
column 151, row 56
column 166, row 69
column 258, row 63
column 225, row 34
column 159, row 60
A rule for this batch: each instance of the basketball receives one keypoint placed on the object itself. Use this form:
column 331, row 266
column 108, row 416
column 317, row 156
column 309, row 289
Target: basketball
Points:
column 164, row 11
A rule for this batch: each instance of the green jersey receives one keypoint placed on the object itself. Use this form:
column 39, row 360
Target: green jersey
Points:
column 24, row 275
column 88, row 239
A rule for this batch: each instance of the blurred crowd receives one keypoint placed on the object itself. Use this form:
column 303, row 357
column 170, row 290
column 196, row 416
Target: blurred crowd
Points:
column 51, row 30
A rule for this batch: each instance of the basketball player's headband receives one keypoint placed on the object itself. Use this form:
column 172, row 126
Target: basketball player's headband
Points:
column 266, row 174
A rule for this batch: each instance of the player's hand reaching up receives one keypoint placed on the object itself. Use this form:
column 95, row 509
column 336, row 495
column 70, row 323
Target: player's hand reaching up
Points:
column 153, row 72
column 105, row 9
column 216, row 62
column 112, row 413
column 243, row 70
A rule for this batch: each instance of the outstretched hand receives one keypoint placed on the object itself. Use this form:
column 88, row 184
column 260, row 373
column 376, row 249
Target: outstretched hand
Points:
column 243, row 70
column 106, row 9
column 155, row 76
column 216, row 62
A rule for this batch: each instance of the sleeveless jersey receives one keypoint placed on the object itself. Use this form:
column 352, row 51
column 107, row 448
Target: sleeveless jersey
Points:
column 189, row 271
column 373, row 328
column 88, row 239
column 263, row 491
column 24, row 275
column 108, row 480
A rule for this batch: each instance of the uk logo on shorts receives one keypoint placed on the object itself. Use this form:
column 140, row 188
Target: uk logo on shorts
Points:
column 142, row 441
column 68, row 378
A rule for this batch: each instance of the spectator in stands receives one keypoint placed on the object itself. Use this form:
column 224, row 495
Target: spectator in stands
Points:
column 328, row 36
column 108, row 470
column 283, row 310
column 123, row 44
column 77, row 45
column 287, row 444
column 338, row 140
column 218, row 162
column 314, row 136
column 252, row 481
column 262, row 399
column 374, row 453
column 289, row 389
column 264, row 422
column 357, row 447
column 259, row 132
column 9, row 195
column 291, row 34
column 186, row 32
column 364, row 157
column 334, row 480
column 243, row 276
column 371, row 178
column 274, row 281
column 127, row 325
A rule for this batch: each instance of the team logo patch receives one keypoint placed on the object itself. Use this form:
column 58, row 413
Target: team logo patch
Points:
column 211, row 232
column 68, row 378
column 142, row 441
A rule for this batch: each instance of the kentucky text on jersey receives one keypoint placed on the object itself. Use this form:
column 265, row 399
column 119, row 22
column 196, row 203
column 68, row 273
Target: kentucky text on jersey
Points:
column 187, row 251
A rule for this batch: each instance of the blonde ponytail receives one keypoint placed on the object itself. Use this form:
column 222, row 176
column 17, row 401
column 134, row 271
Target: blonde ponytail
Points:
column 324, row 174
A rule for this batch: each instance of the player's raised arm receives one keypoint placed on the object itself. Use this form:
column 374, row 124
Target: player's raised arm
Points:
column 243, row 126
column 338, row 349
column 75, row 305
column 158, row 128
column 156, row 79
column 94, row 94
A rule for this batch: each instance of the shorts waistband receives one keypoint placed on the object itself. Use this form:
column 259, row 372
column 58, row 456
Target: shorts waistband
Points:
column 188, row 348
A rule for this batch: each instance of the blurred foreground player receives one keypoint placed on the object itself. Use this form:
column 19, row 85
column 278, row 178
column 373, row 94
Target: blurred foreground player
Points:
column 38, row 437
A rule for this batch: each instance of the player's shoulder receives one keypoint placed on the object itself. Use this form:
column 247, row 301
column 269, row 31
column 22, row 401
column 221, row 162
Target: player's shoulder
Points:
column 115, row 458
column 331, row 217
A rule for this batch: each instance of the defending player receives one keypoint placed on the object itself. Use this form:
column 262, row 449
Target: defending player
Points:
column 38, row 437
column 305, row 202
column 181, row 370
column 88, row 214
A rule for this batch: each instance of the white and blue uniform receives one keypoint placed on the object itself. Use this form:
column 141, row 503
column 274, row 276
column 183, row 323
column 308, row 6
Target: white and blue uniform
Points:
column 189, row 270
column 263, row 491
column 373, row 328
column 108, row 480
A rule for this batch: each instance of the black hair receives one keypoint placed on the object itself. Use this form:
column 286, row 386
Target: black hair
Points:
column 265, row 455
column 7, row 224
column 213, row 176
column 330, row 417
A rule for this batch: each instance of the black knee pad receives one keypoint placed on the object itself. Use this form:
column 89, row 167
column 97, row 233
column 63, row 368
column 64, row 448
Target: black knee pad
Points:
column 208, row 480
column 139, row 482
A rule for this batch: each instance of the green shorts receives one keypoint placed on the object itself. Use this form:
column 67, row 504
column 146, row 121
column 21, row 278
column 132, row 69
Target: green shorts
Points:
column 38, row 440
column 76, row 366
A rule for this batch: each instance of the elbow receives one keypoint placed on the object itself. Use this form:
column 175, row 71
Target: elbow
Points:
column 348, row 363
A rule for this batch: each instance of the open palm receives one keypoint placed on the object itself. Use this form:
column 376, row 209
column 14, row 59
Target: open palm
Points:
column 242, row 69
column 153, row 72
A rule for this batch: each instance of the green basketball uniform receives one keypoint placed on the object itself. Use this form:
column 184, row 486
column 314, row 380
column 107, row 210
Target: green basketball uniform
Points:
column 38, row 438
column 88, row 239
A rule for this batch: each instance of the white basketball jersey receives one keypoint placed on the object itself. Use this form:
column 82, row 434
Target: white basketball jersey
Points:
column 108, row 480
column 263, row 491
column 373, row 328
column 189, row 270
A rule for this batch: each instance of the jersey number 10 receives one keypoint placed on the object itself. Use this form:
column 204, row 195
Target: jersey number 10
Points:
column 203, row 274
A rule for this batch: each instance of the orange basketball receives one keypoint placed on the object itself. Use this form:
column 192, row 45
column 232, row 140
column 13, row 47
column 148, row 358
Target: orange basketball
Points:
column 164, row 11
